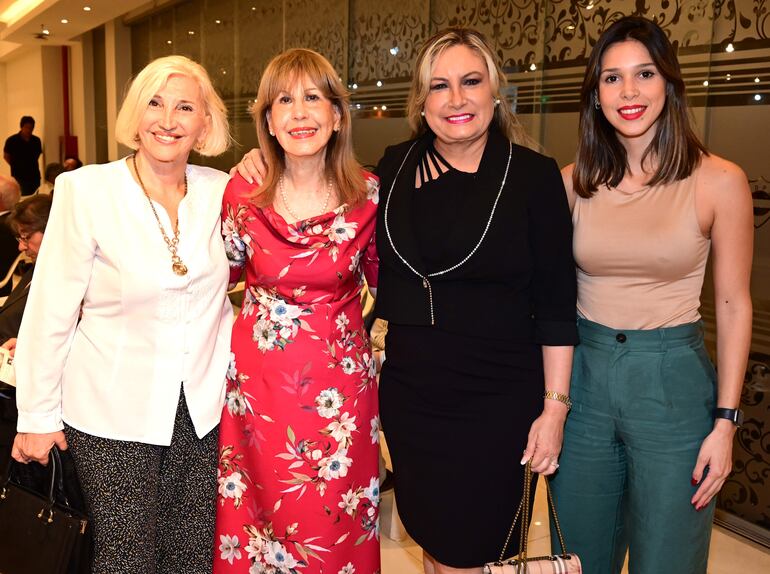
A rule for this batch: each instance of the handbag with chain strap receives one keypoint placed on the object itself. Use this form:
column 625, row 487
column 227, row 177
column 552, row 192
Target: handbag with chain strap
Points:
column 564, row 563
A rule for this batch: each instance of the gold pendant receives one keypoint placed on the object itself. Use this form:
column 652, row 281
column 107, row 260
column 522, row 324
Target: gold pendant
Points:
column 179, row 268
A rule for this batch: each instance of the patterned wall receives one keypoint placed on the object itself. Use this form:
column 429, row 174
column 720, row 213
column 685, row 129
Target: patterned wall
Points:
column 523, row 31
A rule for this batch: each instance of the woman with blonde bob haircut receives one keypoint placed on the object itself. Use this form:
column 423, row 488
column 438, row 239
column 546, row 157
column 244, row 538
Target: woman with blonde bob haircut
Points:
column 147, row 83
column 134, row 386
column 300, row 427
column 503, row 115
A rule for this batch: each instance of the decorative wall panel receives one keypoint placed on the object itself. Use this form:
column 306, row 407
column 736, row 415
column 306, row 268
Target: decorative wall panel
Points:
column 512, row 26
column 259, row 37
column 320, row 26
column 385, row 36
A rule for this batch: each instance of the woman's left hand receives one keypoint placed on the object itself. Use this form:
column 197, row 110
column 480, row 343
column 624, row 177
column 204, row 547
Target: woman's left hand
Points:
column 545, row 438
column 716, row 453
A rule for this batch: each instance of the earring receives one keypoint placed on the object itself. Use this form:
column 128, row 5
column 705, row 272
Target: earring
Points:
column 336, row 128
column 597, row 105
column 496, row 100
column 271, row 132
column 422, row 113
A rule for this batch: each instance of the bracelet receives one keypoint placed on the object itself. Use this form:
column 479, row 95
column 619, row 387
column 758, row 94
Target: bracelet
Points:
column 562, row 398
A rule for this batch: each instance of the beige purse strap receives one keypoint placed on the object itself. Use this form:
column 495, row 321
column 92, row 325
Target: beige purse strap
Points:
column 524, row 512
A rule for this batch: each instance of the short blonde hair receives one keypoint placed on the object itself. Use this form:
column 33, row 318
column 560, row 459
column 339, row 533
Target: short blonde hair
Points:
column 504, row 117
column 150, row 80
column 341, row 165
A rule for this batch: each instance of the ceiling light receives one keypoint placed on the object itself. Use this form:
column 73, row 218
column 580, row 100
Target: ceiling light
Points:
column 757, row 97
column 86, row 8
column 384, row 107
column 730, row 48
column 46, row 31
column 191, row 32
column 394, row 51
column 376, row 108
column 168, row 42
column 728, row 77
column 217, row 21
column 355, row 86
column 705, row 82
column 379, row 83
column 756, row 80
column 65, row 21
column 590, row 6
column 532, row 66
column 570, row 27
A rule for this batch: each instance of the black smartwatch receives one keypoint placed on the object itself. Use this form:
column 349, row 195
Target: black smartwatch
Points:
column 733, row 415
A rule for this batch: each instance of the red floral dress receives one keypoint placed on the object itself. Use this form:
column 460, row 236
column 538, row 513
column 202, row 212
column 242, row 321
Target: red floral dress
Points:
column 298, row 466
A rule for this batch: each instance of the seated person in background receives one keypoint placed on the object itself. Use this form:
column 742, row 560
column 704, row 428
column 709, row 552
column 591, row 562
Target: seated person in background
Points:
column 10, row 193
column 51, row 171
column 72, row 162
column 28, row 222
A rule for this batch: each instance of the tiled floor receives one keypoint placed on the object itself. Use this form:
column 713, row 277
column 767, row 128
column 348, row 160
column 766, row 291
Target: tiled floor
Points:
column 730, row 554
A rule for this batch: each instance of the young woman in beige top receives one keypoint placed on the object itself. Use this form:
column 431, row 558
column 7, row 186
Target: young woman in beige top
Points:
column 649, row 440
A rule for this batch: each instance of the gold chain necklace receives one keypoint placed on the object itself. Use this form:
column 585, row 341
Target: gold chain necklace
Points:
column 286, row 201
column 176, row 262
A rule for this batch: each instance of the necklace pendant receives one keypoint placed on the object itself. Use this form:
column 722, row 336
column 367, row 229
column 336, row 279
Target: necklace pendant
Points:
column 179, row 268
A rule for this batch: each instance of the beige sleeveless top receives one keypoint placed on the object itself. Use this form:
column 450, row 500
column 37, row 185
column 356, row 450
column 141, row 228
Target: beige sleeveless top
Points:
column 641, row 256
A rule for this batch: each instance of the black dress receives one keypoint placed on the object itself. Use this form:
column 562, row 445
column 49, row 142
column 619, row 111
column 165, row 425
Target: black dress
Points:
column 463, row 379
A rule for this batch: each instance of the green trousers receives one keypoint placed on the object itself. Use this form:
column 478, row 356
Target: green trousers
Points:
column 643, row 402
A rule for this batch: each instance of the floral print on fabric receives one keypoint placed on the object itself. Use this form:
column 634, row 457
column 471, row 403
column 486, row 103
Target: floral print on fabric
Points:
column 298, row 488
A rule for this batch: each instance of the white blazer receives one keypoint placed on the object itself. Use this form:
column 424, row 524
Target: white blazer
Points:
column 144, row 331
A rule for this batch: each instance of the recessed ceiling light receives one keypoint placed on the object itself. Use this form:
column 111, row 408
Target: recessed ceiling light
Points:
column 46, row 31
column 730, row 48
column 65, row 21
column 217, row 21
column 756, row 80
column 86, row 8
column 757, row 97
column 168, row 42
column 384, row 107
column 533, row 66
column 191, row 32
column 379, row 83
column 705, row 82
column 355, row 86
column 728, row 77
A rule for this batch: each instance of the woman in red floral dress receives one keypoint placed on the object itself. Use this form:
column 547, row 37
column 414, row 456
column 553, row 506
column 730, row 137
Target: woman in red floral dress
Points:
column 298, row 475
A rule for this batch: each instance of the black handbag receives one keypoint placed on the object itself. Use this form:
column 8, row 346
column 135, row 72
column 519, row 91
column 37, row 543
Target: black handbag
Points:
column 41, row 533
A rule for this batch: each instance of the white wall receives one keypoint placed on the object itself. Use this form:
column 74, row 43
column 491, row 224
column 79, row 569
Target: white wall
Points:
column 24, row 95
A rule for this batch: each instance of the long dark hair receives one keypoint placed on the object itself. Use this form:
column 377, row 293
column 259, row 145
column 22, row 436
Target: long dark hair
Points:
column 601, row 158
